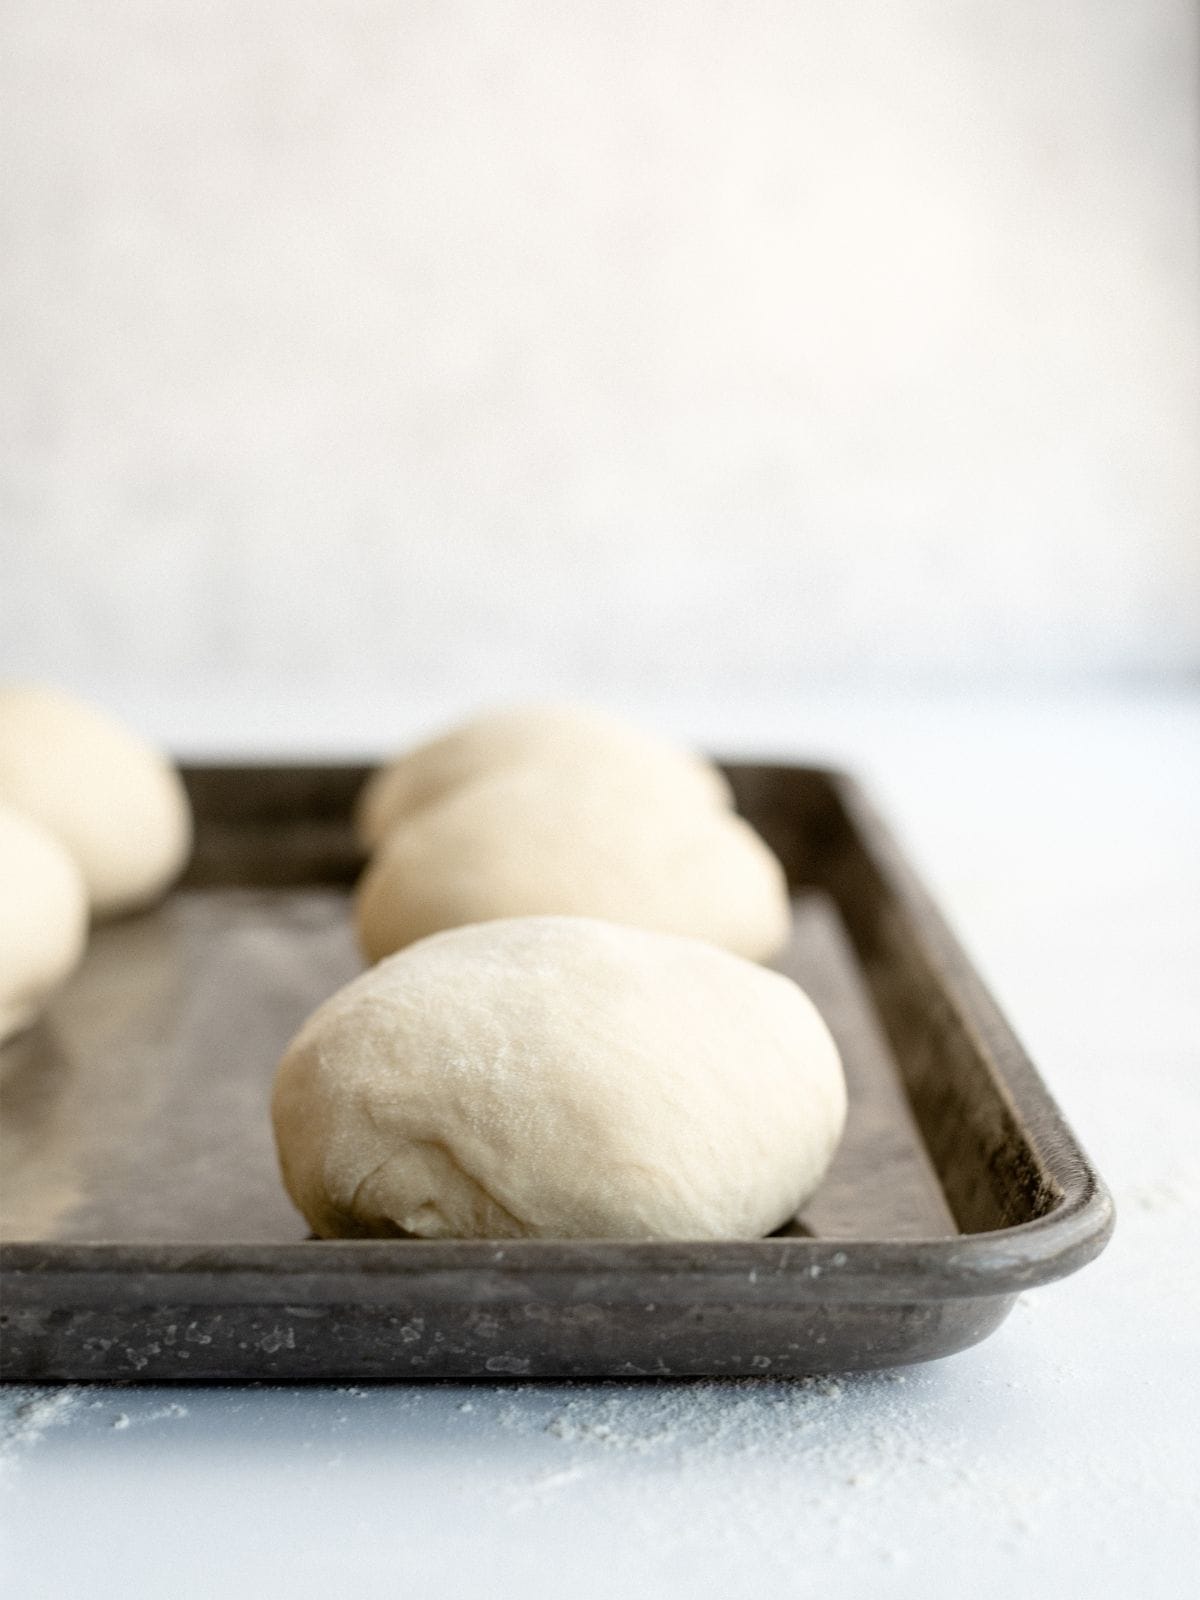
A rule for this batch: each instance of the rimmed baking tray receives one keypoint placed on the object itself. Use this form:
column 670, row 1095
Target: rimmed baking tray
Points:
column 148, row 1237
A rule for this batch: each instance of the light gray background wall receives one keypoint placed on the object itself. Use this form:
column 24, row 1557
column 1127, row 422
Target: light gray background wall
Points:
column 602, row 346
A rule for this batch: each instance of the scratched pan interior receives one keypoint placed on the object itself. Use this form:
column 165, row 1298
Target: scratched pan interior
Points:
column 148, row 1236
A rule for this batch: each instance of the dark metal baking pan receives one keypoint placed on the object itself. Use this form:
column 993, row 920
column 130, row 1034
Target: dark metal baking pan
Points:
column 150, row 1239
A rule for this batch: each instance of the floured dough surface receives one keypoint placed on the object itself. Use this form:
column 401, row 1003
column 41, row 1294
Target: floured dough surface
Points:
column 538, row 840
column 559, row 1077
column 114, row 802
column 588, row 742
column 43, row 918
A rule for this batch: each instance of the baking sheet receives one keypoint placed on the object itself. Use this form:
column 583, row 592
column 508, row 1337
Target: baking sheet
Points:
column 147, row 1237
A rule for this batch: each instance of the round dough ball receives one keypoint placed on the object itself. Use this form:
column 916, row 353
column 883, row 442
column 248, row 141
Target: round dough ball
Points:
column 567, row 736
column 537, row 841
column 43, row 918
column 115, row 803
column 558, row 1077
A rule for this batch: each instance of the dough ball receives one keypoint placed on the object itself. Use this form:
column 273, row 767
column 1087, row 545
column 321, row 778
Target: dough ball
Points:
column 557, row 1077
column 43, row 918
column 536, row 841
column 566, row 736
column 115, row 803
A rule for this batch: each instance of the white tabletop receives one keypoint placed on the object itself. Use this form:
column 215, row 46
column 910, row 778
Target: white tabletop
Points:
column 1063, row 838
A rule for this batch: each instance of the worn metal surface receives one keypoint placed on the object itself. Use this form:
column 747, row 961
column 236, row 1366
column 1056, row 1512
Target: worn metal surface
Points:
column 149, row 1236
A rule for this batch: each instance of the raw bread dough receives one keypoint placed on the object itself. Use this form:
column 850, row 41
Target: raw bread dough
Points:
column 537, row 840
column 558, row 1077
column 586, row 741
column 114, row 802
column 43, row 918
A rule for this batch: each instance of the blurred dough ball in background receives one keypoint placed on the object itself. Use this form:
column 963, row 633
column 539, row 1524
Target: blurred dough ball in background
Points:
column 115, row 803
column 43, row 918
column 563, row 735
column 625, row 843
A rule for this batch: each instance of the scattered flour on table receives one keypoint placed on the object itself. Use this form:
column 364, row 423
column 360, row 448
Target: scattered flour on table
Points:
column 1164, row 1194
column 839, row 1445
column 742, row 1416
column 165, row 1413
column 27, row 1415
